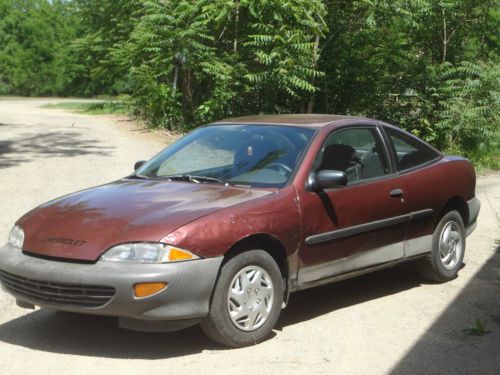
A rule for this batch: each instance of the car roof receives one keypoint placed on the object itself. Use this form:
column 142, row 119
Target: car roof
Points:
column 309, row 120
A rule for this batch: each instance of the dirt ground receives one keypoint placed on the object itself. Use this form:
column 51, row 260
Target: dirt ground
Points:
column 386, row 322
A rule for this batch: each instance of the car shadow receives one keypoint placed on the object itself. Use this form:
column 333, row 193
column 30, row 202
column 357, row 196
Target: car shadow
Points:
column 99, row 336
column 456, row 343
column 311, row 303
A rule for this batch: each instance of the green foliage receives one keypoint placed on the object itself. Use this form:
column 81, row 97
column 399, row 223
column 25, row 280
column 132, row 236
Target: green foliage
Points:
column 478, row 329
column 168, row 47
column 403, row 62
column 99, row 48
column 469, row 116
column 197, row 61
column 34, row 38
column 429, row 66
column 281, row 37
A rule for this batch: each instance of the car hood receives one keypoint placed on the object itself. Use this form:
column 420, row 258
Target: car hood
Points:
column 83, row 225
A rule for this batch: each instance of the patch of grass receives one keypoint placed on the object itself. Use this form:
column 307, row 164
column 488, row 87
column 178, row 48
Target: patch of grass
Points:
column 478, row 329
column 488, row 159
column 13, row 97
column 93, row 108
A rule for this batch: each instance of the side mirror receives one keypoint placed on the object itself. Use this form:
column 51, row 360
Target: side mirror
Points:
column 139, row 164
column 326, row 179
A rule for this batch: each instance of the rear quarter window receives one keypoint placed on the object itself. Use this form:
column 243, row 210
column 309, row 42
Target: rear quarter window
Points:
column 408, row 152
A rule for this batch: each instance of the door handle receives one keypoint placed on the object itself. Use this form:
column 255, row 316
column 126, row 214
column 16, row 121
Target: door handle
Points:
column 396, row 193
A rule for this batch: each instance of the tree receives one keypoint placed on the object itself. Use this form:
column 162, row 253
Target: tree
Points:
column 414, row 63
column 34, row 39
column 196, row 61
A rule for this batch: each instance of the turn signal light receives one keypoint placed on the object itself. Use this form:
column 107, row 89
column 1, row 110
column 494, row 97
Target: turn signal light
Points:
column 175, row 254
column 148, row 289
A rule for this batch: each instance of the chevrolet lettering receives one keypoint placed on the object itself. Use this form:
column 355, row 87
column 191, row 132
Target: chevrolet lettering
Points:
column 64, row 241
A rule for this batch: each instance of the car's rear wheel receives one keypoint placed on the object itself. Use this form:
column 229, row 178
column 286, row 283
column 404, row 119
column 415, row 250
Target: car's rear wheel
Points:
column 247, row 300
column 448, row 248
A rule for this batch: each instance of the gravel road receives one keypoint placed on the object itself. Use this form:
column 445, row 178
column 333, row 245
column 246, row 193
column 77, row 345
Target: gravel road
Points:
column 387, row 322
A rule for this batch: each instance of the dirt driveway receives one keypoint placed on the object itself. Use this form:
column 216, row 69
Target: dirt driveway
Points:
column 387, row 322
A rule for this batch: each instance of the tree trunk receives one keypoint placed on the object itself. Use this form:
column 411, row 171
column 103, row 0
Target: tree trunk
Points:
column 310, row 104
column 445, row 37
column 236, row 25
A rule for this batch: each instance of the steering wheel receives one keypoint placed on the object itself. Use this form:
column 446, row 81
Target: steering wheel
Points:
column 279, row 167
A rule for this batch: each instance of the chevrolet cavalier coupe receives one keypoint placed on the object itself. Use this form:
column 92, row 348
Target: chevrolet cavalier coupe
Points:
column 223, row 225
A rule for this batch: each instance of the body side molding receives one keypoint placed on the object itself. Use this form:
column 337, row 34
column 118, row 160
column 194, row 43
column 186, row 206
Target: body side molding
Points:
column 318, row 239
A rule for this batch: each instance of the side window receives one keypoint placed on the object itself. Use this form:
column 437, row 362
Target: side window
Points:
column 356, row 151
column 409, row 152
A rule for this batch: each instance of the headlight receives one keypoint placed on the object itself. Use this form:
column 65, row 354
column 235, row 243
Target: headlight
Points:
column 146, row 252
column 16, row 237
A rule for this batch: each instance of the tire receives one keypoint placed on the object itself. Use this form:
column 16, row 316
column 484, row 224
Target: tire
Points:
column 238, row 316
column 448, row 249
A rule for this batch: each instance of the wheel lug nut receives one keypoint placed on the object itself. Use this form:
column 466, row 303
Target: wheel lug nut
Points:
column 245, row 301
column 258, row 301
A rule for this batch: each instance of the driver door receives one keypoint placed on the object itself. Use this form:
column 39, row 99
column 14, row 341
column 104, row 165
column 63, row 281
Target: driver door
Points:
column 358, row 225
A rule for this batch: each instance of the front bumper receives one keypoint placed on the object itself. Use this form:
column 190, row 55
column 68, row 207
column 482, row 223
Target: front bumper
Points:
column 186, row 297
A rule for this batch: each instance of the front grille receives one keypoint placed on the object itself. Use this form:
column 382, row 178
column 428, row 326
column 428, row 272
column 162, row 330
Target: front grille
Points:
column 67, row 294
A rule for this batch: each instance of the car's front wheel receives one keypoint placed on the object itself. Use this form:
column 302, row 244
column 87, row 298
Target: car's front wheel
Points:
column 448, row 248
column 247, row 300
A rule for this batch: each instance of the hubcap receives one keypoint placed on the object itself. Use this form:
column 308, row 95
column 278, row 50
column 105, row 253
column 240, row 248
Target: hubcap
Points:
column 450, row 245
column 250, row 298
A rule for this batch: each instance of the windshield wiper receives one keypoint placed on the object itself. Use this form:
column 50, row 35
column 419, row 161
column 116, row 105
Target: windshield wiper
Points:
column 196, row 179
column 139, row 176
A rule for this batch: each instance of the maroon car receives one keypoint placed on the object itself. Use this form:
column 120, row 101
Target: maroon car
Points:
column 220, row 227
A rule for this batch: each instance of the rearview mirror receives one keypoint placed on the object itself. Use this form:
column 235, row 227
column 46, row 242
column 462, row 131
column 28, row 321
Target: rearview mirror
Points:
column 139, row 164
column 326, row 179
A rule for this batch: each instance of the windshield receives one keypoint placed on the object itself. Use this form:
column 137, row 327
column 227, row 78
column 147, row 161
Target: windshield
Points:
column 251, row 155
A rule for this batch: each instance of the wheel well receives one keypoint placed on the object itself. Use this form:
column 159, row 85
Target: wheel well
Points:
column 265, row 242
column 456, row 203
